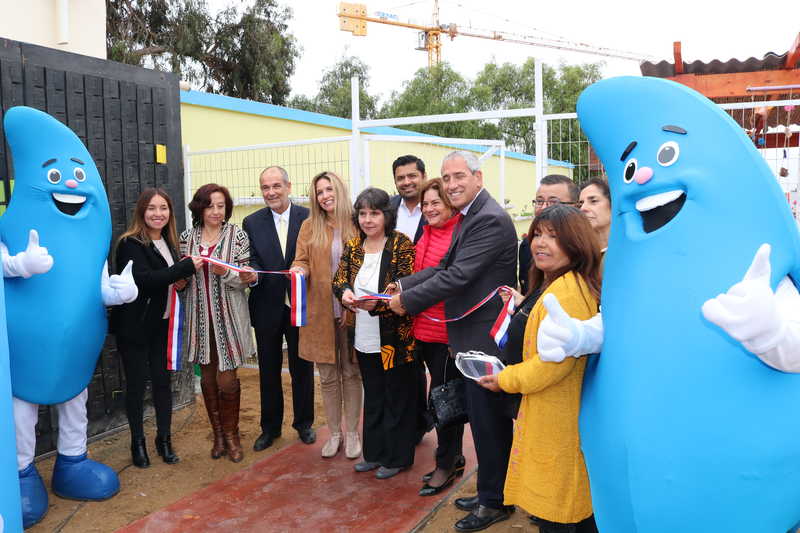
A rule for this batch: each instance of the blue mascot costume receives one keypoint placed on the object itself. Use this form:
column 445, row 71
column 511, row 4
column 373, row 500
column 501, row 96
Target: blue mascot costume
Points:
column 683, row 425
column 55, row 300
column 10, row 516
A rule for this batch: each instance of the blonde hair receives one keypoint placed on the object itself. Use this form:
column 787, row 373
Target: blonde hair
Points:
column 342, row 216
column 138, row 228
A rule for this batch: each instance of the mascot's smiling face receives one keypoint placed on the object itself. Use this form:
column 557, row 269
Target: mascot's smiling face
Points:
column 58, row 178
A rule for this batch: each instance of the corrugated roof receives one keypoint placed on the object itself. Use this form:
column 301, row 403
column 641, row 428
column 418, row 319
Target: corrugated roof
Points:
column 665, row 69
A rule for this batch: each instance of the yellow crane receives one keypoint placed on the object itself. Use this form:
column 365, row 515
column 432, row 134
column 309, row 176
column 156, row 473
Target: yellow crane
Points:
column 354, row 18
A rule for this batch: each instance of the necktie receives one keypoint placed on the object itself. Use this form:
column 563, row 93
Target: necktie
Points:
column 283, row 232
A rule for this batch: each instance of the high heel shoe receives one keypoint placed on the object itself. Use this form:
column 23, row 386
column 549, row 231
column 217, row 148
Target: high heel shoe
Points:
column 165, row 451
column 139, row 453
column 458, row 468
column 429, row 490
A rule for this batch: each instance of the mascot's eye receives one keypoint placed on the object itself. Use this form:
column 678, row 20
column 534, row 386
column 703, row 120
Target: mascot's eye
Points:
column 54, row 175
column 630, row 170
column 668, row 153
column 80, row 175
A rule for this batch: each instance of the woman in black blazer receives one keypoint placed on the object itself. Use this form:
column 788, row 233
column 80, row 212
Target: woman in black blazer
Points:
column 141, row 326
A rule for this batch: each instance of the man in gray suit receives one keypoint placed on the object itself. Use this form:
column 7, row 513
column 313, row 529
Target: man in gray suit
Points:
column 481, row 258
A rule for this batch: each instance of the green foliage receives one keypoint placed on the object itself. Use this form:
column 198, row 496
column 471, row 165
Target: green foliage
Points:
column 333, row 97
column 243, row 52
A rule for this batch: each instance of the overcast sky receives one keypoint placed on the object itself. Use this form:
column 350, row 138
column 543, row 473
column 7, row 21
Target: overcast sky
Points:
column 708, row 29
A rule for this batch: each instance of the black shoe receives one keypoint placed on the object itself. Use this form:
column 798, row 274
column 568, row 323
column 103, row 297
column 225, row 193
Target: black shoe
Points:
column 458, row 468
column 307, row 435
column 263, row 442
column 467, row 504
column 429, row 490
column 482, row 517
column 139, row 453
column 165, row 451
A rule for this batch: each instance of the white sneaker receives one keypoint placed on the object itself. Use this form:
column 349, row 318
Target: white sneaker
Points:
column 352, row 446
column 331, row 447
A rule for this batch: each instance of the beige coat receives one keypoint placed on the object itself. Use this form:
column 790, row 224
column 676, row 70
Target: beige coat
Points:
column 317, row 337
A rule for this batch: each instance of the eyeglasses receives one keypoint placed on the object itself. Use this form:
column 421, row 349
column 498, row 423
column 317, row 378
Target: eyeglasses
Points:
column 549, row 202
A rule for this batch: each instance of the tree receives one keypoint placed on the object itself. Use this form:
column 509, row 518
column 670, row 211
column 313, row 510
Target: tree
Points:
column 433, row 91
column 333, row 96
column 243, row 52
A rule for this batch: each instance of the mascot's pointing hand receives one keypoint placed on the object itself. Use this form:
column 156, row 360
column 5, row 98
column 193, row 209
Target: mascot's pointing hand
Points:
column 34, row 260
column 748, row 312
column 119, row 288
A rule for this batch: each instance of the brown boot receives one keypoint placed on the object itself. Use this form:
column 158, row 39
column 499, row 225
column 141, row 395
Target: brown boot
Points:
column 230, row 421
column 211, row 399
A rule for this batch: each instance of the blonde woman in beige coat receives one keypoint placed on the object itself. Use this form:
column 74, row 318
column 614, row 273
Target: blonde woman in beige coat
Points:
column 327, row 338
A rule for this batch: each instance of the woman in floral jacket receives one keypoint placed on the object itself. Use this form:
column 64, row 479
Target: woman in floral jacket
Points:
column 383, row 341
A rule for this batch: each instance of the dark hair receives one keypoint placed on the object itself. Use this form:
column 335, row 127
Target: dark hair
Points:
column 407, row 159
column 438, row 185
column 577, row 239
column 138, row 228
column 202, row 199
column 601, row 184
column 373, row 198
column 555, row 179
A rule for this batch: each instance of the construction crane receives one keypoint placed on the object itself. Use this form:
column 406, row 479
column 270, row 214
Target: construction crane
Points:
column 354, row 18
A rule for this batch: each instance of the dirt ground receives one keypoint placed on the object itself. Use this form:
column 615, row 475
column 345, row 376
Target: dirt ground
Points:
column 146, row 490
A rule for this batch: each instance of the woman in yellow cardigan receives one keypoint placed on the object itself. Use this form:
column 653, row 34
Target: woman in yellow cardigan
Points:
column 546, row 473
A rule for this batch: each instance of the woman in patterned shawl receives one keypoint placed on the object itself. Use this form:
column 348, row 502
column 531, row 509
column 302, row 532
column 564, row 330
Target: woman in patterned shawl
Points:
column 384, row 345
column 216, row 311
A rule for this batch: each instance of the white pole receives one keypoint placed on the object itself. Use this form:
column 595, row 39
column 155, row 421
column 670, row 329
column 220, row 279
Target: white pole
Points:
column 503, row 176
column 355, row 142
column 541, row 125
column 187, row 185
column 62, row 16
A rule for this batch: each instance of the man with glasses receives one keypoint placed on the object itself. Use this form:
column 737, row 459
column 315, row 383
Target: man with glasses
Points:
column 553, row 189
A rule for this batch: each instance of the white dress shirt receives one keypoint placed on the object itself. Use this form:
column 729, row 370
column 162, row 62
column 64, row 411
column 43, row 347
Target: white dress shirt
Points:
column 408, row 221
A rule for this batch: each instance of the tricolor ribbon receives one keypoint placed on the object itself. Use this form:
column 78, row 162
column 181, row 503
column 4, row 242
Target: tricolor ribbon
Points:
column 297, row 289
column 499, row 331
column 175, row 331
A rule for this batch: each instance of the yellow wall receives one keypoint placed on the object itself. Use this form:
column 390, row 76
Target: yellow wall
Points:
column 36, row 22
column 205, row 128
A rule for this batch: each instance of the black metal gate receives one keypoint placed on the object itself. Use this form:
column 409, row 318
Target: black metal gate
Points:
column 121, row 113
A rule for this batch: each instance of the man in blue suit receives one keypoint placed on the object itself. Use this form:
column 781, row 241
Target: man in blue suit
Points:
column 273, row 237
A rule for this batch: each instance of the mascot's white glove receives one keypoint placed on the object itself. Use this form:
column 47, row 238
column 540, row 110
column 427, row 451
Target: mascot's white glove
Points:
column 748, row 312
column 34, row 260
column 119, row 288
column 561, row 336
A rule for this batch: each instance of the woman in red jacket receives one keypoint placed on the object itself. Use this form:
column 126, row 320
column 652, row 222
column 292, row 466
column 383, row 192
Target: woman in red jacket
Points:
column 432, row 343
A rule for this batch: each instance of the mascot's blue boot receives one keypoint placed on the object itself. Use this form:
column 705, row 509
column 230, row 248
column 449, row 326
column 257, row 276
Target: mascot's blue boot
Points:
column 33, row 495
column 76, row 477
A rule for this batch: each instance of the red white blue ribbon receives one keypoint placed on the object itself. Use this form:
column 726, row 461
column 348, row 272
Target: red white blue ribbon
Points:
column 499, row 331
column 297, row 289
column 175, row 331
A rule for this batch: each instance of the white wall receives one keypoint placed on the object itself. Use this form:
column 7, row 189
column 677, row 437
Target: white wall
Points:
column 36, row 22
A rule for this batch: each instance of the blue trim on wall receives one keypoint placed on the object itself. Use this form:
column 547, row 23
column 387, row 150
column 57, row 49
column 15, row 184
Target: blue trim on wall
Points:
column 229, row 103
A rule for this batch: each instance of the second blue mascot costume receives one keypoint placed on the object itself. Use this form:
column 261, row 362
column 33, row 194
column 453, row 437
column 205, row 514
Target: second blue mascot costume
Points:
column 55, row 300
column 683, row 427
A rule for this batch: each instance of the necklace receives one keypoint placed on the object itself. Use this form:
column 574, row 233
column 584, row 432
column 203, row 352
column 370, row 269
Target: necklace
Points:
column 207, row 241
column 370, row 248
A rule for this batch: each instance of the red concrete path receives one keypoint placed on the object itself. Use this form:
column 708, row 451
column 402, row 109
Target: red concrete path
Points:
column 296, row 490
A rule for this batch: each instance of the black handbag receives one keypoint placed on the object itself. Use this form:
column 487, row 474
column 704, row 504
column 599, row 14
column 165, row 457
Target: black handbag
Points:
column 448, row 406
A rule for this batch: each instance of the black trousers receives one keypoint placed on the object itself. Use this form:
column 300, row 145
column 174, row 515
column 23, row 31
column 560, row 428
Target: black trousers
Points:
column 492, row 431
column 442, row 367
column 269, row 343
column 139, row 361
column 390, row 411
